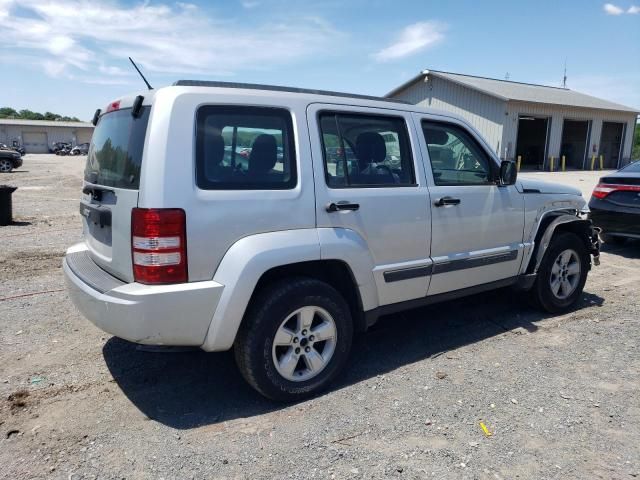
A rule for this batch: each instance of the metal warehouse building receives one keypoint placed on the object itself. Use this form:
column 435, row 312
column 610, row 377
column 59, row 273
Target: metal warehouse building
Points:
column 38, row 135
column 534, row 122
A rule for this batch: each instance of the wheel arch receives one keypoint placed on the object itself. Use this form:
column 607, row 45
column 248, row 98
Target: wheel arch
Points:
column 556, row 222
column 257, row 260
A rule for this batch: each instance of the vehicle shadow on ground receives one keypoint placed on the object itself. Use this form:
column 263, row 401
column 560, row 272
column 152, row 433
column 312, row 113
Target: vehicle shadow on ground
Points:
column 188, row 389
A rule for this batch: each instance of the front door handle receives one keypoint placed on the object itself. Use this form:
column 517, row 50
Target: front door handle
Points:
column 343, row 205
column 442, row 201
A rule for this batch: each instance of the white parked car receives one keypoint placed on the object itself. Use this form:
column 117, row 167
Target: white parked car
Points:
column 285, row 254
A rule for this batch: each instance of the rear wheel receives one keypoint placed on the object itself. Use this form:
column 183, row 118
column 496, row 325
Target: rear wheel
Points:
column 6, row 165
column 562, row 274
column 295, row 339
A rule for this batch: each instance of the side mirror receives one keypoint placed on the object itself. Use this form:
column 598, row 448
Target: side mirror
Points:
column 508, row 173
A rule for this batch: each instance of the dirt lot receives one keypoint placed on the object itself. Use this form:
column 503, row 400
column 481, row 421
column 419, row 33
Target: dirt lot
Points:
column 560, row 395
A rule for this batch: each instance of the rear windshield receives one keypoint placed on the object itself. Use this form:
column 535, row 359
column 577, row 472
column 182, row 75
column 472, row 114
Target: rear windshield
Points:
column 632, row 167
column 115, row 154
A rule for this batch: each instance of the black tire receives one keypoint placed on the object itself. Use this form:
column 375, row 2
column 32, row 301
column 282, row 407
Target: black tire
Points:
column 253, row 346
column 613, row 239
column 542, row 293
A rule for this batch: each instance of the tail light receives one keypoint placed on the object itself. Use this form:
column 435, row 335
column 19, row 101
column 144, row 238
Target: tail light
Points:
column 159, row 245
column 604, row 189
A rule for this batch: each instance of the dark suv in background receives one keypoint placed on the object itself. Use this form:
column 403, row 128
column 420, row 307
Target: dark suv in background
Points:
column 9, row 159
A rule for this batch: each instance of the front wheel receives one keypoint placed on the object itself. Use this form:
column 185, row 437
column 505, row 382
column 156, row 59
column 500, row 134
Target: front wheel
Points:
column 295, row 339
column 562, row 274
column 6, row 165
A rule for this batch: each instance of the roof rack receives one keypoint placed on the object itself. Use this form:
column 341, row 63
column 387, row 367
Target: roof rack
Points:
column 278, row 88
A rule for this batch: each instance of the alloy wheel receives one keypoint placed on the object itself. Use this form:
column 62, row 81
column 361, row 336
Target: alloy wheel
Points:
column 565, row 274
column 304, row 343
column 5, row 165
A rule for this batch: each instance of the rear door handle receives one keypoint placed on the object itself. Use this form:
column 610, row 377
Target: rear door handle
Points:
column 442, row 201
column 343, row 205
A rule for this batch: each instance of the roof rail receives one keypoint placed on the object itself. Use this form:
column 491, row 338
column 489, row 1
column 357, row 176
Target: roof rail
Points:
column 278, row 88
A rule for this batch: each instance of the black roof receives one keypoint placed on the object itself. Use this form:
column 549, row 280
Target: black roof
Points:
column 278, row 88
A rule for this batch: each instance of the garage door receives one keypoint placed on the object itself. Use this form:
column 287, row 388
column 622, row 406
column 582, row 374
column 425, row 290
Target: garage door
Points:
column 35, row 142
column 84, row 135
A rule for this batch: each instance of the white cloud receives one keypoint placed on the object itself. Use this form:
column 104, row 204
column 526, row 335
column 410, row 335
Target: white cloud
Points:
column 76, row 36
column 413, row 38
column 249, row 4
column 633, row 9
column 611, row 9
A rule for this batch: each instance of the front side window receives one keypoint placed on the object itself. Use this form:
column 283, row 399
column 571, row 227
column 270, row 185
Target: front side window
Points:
column 241, row 148
column 366, row 151
column 456, row 158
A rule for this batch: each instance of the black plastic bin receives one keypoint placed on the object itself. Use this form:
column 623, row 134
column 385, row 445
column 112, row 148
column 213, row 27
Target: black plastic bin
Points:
column 6, row 208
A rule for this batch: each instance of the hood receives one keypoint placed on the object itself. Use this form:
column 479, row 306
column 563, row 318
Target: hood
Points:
column 530, row 186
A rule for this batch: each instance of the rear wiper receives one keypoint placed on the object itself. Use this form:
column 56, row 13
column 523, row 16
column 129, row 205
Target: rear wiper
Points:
column 95, row 191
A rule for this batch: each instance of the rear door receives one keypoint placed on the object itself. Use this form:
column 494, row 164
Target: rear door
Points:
column 477, row 225
column 367, row 181
column 110, row 191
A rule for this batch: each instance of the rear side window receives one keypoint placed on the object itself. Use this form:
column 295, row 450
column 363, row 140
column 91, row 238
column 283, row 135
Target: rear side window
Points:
column 366, row 151
column 115, row 154
column 244, row 148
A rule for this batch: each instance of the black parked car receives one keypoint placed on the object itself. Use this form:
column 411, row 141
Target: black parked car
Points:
column 615, row 204
column 18, row 148
column 9, row 159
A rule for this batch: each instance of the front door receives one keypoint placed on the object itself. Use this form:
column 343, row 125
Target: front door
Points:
column 477, row 226
column 370, row 189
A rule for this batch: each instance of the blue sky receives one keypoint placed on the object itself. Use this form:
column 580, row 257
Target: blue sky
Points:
column 70, row 56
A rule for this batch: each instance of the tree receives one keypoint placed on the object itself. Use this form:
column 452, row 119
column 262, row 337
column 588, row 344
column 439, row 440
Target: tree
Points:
column 8, row 112
column 26, row 114
column 635, row 155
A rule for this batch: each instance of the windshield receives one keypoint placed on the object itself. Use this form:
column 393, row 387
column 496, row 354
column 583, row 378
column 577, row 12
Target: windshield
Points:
column 115, row 154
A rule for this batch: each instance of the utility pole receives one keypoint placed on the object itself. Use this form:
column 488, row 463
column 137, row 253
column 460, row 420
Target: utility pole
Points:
column 564, row 78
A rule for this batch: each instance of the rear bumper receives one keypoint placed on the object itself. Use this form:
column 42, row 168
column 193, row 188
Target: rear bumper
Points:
column 615, row 220
column 177, row 314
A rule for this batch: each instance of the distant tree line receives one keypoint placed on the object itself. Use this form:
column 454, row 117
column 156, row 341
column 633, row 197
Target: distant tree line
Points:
column 8, row 112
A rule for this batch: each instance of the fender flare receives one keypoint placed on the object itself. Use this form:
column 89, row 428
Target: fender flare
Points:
column 251, row 257
column 585, row 226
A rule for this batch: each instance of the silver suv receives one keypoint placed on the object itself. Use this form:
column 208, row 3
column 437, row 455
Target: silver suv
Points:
column 279, row 222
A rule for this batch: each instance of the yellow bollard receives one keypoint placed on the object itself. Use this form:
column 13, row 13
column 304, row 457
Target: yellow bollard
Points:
column 564, row 164
column 601, row 162
column 551, row 163
column 593, row 161
column 519, row 162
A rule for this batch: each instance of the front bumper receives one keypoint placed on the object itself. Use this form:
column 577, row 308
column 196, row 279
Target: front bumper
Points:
column 178, row 314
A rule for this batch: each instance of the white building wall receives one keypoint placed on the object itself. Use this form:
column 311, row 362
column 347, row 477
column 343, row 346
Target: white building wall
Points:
column 484, row 112
column 558, row 113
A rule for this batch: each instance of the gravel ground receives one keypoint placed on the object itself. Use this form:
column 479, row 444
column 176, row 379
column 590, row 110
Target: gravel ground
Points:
column 559, row 395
